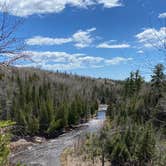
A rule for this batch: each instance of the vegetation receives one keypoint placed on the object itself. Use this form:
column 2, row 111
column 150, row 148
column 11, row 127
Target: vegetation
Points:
column 45, row 103
column 135, row 131
column 4, row 141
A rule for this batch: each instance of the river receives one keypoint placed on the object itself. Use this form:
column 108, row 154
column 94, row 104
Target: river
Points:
column 48, row 153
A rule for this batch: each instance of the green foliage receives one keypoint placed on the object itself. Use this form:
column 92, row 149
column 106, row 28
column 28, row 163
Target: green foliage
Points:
column 131, row 137
column 4, row 150
column 134, row 142
column 158, row 82
column 133, row 145
column 4, row 124
column 43, row 103
column 146, row 149
column 54, row 126
column 133, row 84
column 4, row 141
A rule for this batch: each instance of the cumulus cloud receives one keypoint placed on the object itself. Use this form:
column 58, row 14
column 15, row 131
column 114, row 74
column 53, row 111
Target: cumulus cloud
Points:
column 66, row 61
column 108, row 45
column 152, row 37
column 162, row 15
column 25, row 8
column 81, row 39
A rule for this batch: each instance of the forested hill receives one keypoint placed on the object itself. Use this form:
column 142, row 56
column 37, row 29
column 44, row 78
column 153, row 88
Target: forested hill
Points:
column 43, row 103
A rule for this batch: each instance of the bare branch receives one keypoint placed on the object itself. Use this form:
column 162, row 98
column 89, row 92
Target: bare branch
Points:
column 11, row 47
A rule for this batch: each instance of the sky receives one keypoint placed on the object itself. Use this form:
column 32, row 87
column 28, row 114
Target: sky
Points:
column 98, row 38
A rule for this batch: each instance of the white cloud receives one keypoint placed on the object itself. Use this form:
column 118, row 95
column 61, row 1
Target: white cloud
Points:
column 118, row 60
column 110, row 3
column 65, row 61
column 39, row 40
column 162, row 15
column 81, row 39
column 140, row 52
column 108, row 45
column 25, row 8
column 152, row 38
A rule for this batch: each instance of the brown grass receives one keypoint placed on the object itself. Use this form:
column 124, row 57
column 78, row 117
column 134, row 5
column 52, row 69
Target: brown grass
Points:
column 69, row 158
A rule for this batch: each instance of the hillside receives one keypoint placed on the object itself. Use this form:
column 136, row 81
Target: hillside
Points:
column 44, row 103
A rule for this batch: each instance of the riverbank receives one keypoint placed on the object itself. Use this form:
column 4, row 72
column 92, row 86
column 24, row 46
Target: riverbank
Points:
column 26, row 143
column 49, row 152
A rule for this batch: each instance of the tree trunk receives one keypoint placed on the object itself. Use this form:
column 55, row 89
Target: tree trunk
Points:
column 102, row 158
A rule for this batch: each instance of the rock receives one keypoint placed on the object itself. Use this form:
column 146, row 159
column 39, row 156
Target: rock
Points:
column 30, row 148
column 39, row 140
column 19, row 145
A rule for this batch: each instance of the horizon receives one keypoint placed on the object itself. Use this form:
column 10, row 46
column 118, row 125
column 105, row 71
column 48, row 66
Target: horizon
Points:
column 77, row 74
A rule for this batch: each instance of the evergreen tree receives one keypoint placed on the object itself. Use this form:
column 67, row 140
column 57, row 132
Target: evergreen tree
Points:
column 133, row 84
column 158, row 81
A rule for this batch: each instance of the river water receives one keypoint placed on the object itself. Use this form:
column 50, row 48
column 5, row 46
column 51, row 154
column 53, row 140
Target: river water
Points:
column 48, row 153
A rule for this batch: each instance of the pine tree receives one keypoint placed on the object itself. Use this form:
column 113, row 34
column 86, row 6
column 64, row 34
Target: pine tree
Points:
column 158, row 81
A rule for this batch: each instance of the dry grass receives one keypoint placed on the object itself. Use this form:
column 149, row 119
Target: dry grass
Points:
column 69, row 158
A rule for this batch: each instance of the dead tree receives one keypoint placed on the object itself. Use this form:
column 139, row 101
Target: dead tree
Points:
column 11, row 47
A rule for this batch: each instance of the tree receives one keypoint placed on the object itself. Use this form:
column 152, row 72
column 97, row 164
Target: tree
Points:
column 158, row 81
column 73, row 114
column 138, row 81
column 43, row 118
column 102, row 145
column 146, row 150
column 11, row 47
column 133, row 84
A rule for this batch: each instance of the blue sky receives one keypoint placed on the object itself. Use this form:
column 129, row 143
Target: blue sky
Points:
column 99, row 38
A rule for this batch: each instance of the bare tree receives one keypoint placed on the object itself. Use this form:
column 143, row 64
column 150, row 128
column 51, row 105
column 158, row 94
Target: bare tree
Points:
column 11, row 47
column 154, row 40
column 159, row 42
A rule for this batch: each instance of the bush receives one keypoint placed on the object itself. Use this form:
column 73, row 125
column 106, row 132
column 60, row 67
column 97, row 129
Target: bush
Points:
column 4, row 142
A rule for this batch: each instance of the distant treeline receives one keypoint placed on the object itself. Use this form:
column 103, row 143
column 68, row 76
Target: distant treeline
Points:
column 44, row 103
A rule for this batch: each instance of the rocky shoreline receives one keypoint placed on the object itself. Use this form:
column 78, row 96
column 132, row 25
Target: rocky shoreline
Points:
column 24, row 143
